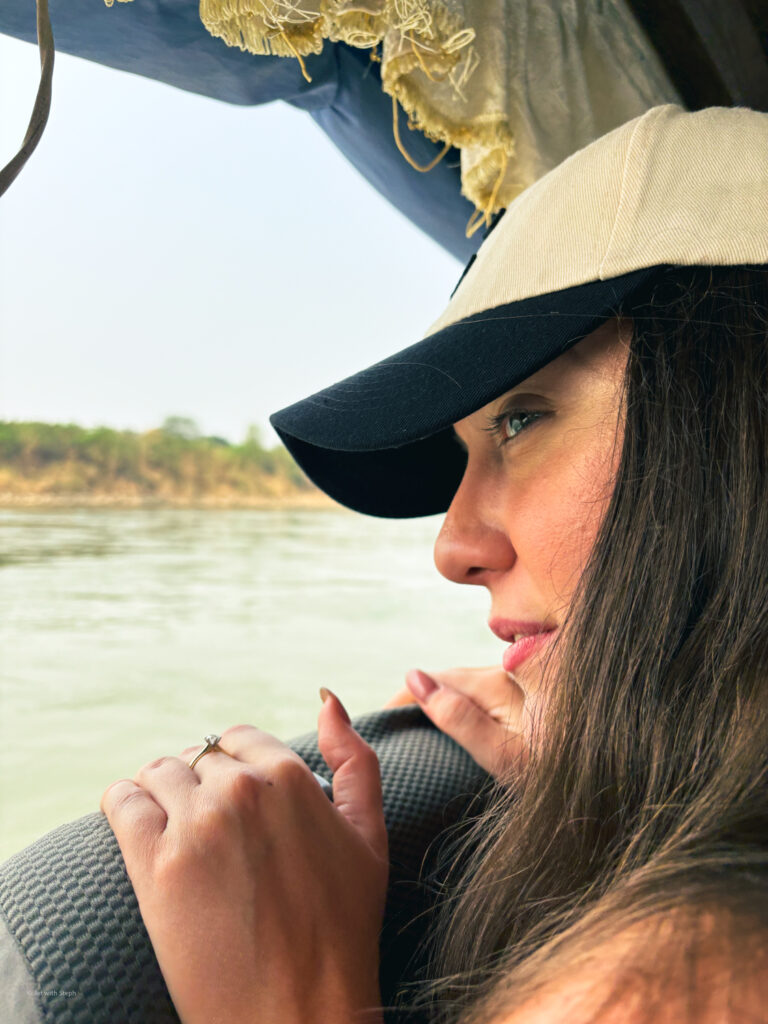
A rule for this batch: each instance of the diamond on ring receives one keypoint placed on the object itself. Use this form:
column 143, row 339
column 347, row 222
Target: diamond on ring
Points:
column 211, row 743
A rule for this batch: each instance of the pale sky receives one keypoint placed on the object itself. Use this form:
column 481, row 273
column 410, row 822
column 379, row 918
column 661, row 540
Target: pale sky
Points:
column 163, row 253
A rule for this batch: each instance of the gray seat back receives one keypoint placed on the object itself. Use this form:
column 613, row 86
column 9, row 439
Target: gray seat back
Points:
column 73, row 947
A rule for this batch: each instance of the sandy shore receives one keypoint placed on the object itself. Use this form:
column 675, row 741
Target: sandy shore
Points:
column 314, row 499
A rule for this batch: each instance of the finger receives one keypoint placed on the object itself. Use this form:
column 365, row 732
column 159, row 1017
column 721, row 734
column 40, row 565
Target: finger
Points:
column 356, row 776
column 457, row 715
column 169, row 781
column 400, row 699
column 135, row 817
column 489, row 687
column 247, row 743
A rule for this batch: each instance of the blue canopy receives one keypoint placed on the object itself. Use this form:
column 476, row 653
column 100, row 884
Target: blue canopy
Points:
column 165, row 40
column 714, row 55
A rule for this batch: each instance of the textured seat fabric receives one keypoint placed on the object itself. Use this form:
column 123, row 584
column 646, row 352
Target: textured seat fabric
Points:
column 73, row 947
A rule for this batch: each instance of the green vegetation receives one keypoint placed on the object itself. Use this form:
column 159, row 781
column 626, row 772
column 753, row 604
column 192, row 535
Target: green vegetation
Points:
column 173, row 463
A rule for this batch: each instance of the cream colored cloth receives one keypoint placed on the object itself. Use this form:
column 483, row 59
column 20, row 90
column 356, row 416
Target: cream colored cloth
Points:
column 547, row 77
column 516, row 85
column 640, row 196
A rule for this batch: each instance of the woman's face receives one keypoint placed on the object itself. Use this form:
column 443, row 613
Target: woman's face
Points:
column 541, row 461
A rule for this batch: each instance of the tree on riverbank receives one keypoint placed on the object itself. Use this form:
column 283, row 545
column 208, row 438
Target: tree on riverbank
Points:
column 169, row 463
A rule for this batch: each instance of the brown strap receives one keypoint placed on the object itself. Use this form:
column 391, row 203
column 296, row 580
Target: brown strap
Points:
column 42, row 103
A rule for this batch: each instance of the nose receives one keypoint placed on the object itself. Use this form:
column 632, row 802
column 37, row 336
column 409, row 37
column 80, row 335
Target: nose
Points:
column 473, row 545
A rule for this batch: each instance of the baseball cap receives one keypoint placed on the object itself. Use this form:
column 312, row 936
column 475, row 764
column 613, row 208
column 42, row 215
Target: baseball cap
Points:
column 669, row 188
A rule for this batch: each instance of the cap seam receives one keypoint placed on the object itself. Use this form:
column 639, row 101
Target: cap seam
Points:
column 622, row 195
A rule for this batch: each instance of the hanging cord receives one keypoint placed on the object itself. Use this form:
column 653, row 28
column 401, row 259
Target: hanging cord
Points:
column 287, row 40
column 408, row 157
column 486, row 216
column 422, row 64
column 42, row 105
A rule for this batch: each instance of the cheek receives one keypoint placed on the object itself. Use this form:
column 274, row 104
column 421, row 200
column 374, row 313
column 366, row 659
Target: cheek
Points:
column 564, row 515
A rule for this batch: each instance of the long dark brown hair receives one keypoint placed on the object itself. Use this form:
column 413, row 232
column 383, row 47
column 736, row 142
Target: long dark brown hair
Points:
column 646, row 791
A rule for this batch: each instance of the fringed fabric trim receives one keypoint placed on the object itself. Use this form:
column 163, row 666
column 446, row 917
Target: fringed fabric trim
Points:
column 517, row 87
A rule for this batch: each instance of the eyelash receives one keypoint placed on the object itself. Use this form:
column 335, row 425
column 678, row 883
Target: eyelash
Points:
column 496, row 424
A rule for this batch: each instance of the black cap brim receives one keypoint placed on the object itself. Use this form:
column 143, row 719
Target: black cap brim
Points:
column 382, row 442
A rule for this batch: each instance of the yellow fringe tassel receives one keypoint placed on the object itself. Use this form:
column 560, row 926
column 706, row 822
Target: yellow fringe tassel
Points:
column 409, row 159
column 483, row 216
column 297, row 55
column 417, row 54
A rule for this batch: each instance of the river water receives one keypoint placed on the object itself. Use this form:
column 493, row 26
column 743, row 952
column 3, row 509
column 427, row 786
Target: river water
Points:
column 125, row 635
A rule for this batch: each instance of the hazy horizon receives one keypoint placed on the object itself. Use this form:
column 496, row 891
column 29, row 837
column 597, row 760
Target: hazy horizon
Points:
column 167, row 254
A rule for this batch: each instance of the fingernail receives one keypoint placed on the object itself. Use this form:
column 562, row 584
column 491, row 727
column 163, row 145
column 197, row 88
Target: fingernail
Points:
column 325, row 693
column 420, row 684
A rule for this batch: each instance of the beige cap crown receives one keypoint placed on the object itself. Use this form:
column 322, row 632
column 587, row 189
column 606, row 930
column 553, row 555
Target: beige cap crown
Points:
column 669, row 187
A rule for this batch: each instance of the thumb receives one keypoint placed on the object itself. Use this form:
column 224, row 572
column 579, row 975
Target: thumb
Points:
column 457, row 715
column 400, row 699
column 356, row 776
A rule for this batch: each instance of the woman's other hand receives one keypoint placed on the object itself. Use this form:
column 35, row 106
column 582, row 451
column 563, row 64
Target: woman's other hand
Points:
column 481, row 708
column 263, row 900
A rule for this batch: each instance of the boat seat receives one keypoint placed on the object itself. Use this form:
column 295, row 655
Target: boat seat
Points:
column 73, row 947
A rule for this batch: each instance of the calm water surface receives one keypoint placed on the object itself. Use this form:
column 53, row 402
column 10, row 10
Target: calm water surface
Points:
column 129, row 634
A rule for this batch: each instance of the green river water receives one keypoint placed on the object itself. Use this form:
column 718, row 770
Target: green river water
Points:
column 125, row 635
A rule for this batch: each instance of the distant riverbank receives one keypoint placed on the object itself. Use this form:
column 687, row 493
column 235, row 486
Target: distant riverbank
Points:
column 315, row 499
column 64, row 465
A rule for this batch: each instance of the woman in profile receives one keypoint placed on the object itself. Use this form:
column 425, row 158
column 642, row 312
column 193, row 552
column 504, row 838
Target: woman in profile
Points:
column 591, row 411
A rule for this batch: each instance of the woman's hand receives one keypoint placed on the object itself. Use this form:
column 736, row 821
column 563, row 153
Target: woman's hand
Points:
column 481, row 708
column 263, row 900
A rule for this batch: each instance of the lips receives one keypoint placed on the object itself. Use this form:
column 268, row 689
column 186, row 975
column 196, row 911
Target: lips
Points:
column 536, row 635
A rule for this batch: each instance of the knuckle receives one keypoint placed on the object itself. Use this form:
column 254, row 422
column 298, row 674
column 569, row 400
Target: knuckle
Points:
column 368, row 755
column 174, row 864
column 291, row 772
column 159, row 762
column 207, row 832
column 131, row 803
column 244, row 791
column 211, row 831
column 455, row 710
column 129, row 798
column 118, row 782
column 242, row 729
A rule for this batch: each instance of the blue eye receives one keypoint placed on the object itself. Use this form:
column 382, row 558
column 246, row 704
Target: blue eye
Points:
column 508, row 424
